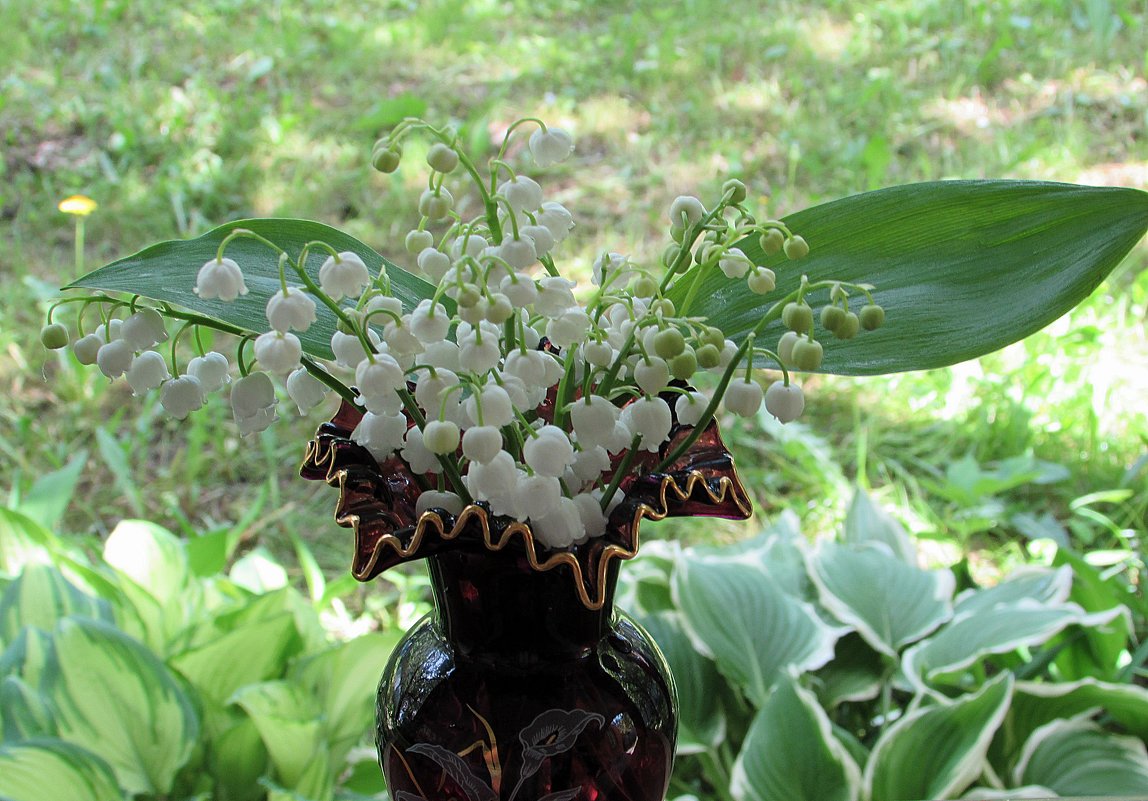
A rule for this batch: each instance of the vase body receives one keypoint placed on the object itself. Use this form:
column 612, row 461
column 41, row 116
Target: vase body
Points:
column 514, row 690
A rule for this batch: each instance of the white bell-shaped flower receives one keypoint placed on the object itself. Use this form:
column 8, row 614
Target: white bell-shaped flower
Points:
column 652, row 375
column 277, row 352
column 599, row 354
column 381, row 434
column 784, row 401
column 528, row 366
column 549, row 452
column 520, row 396
column 114, row 358
column 518, row 252
column 560, row 528
column 734, row 263
column 429, row 322
column 519, row 288
column 590, row 462
column 556, row 218
column 743, row 397
column 377, row 381
column 434, row 263
column 429, row 389
column 650, row 418
column 435, row 499
column 615, row 499
column 417, row 241
column 538, row 496
column 593, row 418
column 87, row 348
column 211, row 369
column 253, row 403
column 497, row 409
column 441, row 436
column 541, row 237
column 481, row 443
column 490, row 479
column 551, row 146
column 555, row 296
column 443, row 355
column 416, row 454
column 468, row 244
column 305, row 389
column 144, row 329
column 590, row 512
column 344, row 275
column 569, row 329
column 400, row 339
column 611, row 266
column 182, row 396
column 521, row 193
column 480, row 357
column 148, row 370
column 689, row 408
column 220, row 279
column 291, row 310
column 621, row 438
column 348, row 348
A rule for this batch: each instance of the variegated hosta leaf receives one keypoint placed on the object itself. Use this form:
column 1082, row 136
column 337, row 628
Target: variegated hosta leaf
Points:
column 23, row 541
column 999, row 630
column 151, row 556
column 701, row 720
column 937, row 751
column 1077, row 757
column 890, row 603
column 855, row 674
column 24, row 715
column 737, row 614
column 1031, row 582
column 867, row 522
column 40, row 596
column 790, row 753
column 119, row 700
column 1035, row 704
column 289, row 722
column 52, row 769
column 1015, row 794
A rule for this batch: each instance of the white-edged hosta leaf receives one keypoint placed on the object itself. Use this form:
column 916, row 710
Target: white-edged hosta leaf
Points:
column 258, row 572
column 701, row 719
column 167, row 272
column 937, row 751
column 118, row 699
column 288, row 719
column 1014, row 794
column 1035, row 704
column 855, row 673
column 38, row 770
column 1077, row 757
column 735, row 612
column 968, row 639
column 791, row 754
column 40, row 596
column 24, row 714
column 1030, row 582
column 890, row 603
column 255, row 652
column 149, row 555
column 867, row 522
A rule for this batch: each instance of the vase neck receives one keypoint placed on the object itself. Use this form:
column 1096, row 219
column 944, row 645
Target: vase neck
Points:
column 495, row 607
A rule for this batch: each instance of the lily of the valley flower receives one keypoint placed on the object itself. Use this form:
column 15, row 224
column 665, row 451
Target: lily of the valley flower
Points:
column 220, row 278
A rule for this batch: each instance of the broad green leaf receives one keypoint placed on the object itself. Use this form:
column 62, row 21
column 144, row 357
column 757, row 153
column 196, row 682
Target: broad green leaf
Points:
column 288, row 719
column 1036, row 704
column 962, row 268
column 791, row 754
column 344, row 679
column 51, row 769
column 1098, row 654
column 40, row 596
column 24, row 712
column 1031, row 582
column 258, row 572
column 252, row 653
column 149, row 555
column 867, row 522
column 966, row 640
column 1077, row 757
column 237, row 760
column 753, row 629
column 51, row 493
column 855, row 674
column 23, row 541
column 937, row 751
column 891, row 603
column 701, row 719
column 167, row 272
column 29, row 656
column 1013, row 794
column 118, row 699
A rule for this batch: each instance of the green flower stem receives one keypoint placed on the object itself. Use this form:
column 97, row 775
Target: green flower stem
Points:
column 565, row 390
column 692, row 234
column 448, row 466
column 174, row 339
column 623, row 468
column 333, row 383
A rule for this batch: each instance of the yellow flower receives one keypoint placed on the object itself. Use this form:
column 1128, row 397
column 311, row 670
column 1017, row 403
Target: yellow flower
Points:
column 77, row 204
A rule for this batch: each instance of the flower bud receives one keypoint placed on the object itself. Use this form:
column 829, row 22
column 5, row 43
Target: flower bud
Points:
column 708, row 356
column 772, row 241
column 735, row 189
column 441, row 437
column 797, row 316
column 87, row 347
column 807, row 354
column 796, row 248
column 551, row 146
column 686, row 210
column 435, row 204
column 54, row 336
column 442, row 158
column 762, row 281
column 669, row 342
column 872, row 317
column 684, row 365
column 849, row 327
column 785, row 347
column 418, row 241
column 386, row 159
column 832, row 317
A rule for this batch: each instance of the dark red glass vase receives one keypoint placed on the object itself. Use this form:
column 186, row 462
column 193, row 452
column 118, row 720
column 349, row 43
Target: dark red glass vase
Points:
column 514, row 690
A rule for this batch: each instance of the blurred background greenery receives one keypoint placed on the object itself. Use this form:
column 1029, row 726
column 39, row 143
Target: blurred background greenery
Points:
column 176, row 117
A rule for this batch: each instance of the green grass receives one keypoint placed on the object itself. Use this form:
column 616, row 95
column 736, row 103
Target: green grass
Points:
column 177, row 117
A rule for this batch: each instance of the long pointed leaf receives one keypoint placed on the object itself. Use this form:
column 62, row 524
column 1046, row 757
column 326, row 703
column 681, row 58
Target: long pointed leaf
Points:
column 962, row 268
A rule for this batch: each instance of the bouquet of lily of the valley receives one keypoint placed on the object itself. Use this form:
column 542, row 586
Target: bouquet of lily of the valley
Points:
column 483, row 376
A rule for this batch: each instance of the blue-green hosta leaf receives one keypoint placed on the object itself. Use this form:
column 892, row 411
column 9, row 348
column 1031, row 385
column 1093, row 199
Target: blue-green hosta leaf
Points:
column 167, row 272
column 119, row 700
column 1099, row 654
column 867, row 522
column 966, row 640
column 890, row 603
column 151, row 556
column 288, row 719
column 937, row 751
column 855, row 674
column 791, row 754
column 56, row 770
column 40, row 596
column 1077, row 757
column 24, row 713
column 1035, row 704
column 752, row 628
column 1031, row 582
column 962, row 268
column 701, row 719
column 1014, row 794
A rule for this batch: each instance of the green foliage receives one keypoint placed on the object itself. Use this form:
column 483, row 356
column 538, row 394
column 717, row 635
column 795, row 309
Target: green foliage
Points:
column 847, row 671
column 133, row 675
